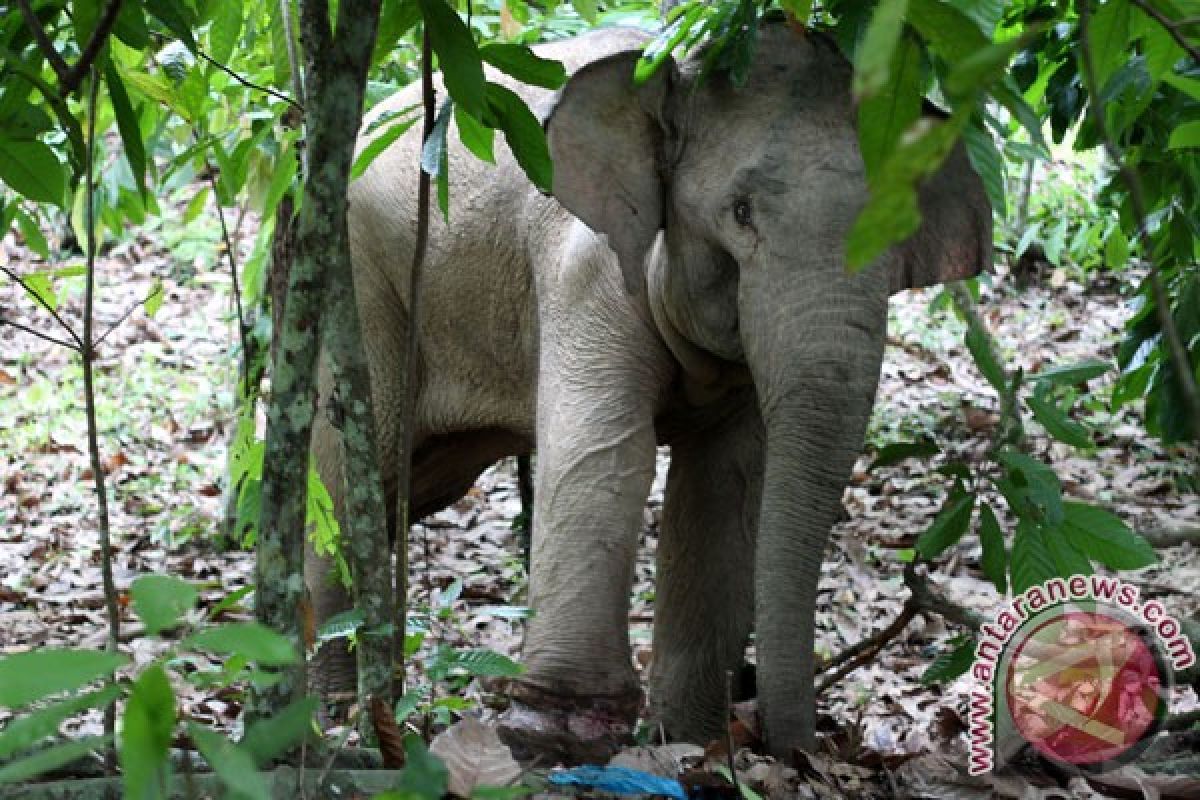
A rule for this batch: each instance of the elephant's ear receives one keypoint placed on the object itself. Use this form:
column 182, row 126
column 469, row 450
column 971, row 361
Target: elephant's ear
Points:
column 605, row 137
column 955, row 237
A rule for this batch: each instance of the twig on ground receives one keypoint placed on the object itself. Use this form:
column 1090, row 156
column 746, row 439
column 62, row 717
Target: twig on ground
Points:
column 1165, row 538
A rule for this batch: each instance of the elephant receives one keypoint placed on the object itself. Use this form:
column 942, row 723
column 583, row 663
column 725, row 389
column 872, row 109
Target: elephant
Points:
column 683, row 284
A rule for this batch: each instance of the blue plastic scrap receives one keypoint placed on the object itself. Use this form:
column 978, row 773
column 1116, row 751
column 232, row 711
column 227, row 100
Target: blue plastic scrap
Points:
column 620, row 780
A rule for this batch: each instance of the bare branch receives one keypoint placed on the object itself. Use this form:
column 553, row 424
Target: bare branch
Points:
column 37, row 298
column 39, row 334
column 1176, row 351
column 1175, row 28
column 121, row 320
column 249, row 84
column 43, row 42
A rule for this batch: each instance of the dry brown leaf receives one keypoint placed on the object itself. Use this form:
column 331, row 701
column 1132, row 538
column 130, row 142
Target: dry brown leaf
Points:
column 474, row 757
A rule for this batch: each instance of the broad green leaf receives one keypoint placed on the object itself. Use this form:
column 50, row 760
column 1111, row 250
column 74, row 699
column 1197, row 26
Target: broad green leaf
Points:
column 800, row 10
column 683, row 30
column 1103, row 537
column 994, row 562
column 1116, row 250
column 176, row 17
column 25, row 677
column 952, row 662
column 1067, row 558
column 281, row 67
column 225, row 30
column 341, row 625
column 523, row 64
column 1032, row 562
column 948, row 527
column 128, row 125
column 487, row 664
column 1108, row 35
column 1031, row 488
column 41, row 286
column 34, row 239
column 950, row 33
column 1005, row 92
column 523, row 133
column 1056, row 421
column 981, row 69
column 1162, row 51
column 989, row 164
column 157, row 89
column 898, row 451
column 27, row 730
column 49, row 759
column 250, row 640
column 892, row 213
column 30, row 168
column 880, row 40
column 1074, row 374
column 271, row 737
column 1186, row 135
column 885, row 115
column 586, row 9
column 985, row 360
column 424, row 773
column 283, row 178
column 233, row 765
column 457, row 55
column 396, row 18
column 475, row 136
column 148, row 725
column 1189, row 86
column 160, row 600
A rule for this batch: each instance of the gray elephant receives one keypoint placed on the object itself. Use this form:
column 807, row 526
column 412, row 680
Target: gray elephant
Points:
column 684, row 285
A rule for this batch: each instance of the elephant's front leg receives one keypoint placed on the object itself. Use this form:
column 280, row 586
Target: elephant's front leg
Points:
column 704, row 608
column 602, row 371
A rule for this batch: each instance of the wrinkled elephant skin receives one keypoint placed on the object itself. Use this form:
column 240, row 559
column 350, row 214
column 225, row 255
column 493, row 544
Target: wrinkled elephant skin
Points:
column 685, row 284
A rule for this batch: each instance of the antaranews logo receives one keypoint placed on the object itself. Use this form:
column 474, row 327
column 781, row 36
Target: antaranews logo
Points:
column 1077, row 667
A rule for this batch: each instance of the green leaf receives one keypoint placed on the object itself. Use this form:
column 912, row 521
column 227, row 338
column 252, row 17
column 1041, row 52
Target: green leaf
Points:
column 1116, row 250
column 1068, row 560
column 989, row 164
column 981, row 352
column 49, row 759
column 1108, row 36
column 234, row 766
column 981, row 69
column 952, row 662
column 25, row 677
column 1103, row 537
column 434, row 148
column 424, row 774
column 128, row 125
column 994, row 562
column 176, row 17
column 341, row 625
column 30, row 168
column 898, row 451
column 1056, row 421
column 34, row 239
column 523, row 133
column 523, row 64
column 27, row 730
column 157, row 89
column 1186, row 135
column 154, row 299
column 160, row 600
column 457, row 55
column 380, row 143
column 948, row 527
column 396, row 18
column 586, row 9
column 1032, row 562
column 225, row 30
column 250, row 640
column 951, row 33
column 1006, row 93
column 271, row 737
column 885, row 115
column 41, row 286
column 880, row 40
column 1074, row 374
column 475, row 136
column 892, row 214
column 800, row 10
column 148, row 725
column 482, row 663
column 1030, row 487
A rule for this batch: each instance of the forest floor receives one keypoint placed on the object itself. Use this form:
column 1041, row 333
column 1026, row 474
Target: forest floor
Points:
column 165, row 403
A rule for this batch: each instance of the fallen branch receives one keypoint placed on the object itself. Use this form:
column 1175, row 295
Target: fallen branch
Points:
column 1165, row 538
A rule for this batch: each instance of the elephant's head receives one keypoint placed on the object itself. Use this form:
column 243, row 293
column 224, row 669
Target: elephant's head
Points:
column 755, row 189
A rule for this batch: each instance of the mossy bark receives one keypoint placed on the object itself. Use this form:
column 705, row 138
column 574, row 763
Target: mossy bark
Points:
column 336, row 68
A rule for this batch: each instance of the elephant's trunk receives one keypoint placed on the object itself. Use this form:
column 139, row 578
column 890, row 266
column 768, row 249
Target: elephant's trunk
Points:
column 816, row 375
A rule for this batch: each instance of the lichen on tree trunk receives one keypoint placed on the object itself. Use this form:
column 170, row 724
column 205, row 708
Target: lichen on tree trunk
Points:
column 336, row 68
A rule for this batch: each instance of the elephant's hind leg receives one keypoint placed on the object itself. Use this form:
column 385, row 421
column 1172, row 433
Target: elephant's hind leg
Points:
column 704, row 609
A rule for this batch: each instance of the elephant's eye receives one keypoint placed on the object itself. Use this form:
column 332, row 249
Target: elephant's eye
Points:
column 741, row 212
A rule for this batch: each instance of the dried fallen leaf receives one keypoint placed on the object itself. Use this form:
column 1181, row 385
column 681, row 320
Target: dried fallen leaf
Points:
column 475, row 757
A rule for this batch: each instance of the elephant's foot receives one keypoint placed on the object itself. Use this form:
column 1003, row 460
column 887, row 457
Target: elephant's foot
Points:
column 333, row 677
column 549, row 727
